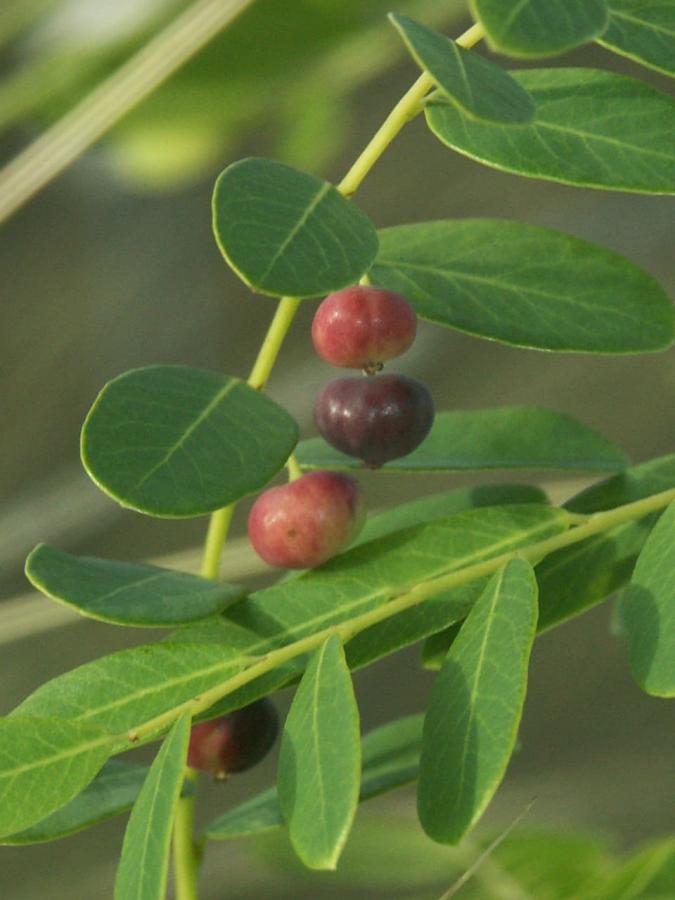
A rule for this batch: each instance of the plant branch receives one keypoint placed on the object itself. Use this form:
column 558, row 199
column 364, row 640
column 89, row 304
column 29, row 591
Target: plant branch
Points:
column 409, row 106
column 595, row 524
column 75, row 132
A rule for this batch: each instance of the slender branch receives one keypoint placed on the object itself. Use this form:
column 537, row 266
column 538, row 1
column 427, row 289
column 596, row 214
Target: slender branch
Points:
column 595, row 524
column 75, row 132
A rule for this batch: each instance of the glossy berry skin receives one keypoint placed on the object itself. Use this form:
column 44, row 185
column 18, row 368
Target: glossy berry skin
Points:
column 374, row 419
column 361, row 327
column 302, row 524
column 234, row 742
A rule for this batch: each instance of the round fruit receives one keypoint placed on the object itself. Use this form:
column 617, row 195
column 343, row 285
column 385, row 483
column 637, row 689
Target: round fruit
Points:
column 234, row 742
column 374, row 419
column 302, row 524
column 361, row 327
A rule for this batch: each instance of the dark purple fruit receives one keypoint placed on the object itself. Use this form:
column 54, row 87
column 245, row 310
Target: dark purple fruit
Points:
column 302, row 524
column 374, row 419
column 361, row 327
column 234, row 742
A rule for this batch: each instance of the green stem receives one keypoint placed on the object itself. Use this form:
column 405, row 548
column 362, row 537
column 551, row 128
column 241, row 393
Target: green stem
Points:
column 409, row 106
column 186, row 856
column 293, row 466
column 594, row 524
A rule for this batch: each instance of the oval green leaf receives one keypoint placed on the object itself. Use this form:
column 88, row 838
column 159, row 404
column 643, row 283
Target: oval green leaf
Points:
column 475, row 706
column 530, row 28
column 143, row 867
column 524, row 285
column 176, row 442
column 648, row 610
column 44, row 763
column 127, row 593
column 513, row 437
column 390, row 758
column 320, row 759
column 285, row 232
column 480, row 88
column 643, row 30
column 592, row 129
column 112, row 792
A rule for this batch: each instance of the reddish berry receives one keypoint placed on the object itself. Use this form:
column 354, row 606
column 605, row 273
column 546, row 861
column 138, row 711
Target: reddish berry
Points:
column 374, row 419
column 302, row 524
column 361, row 327
column 235, row 741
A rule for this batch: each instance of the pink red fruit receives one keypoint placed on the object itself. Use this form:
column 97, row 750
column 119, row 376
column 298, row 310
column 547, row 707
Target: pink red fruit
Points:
column 302, row 524
column 235, row 741
column 361, row 327
column 374, row 419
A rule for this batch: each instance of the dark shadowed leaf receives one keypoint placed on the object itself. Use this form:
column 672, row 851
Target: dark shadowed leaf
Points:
column 320, row 759
column 540, row 27
column 285, row 232
column 126, row 593
column 524, row 285
column 516, row 437
column 477, row 86
column 576, row 578
column 643, row 30
column 648, row 610
column 44, row 763
column 178, row 442
column 143, row 867
column 475, row 705
column 592, row 129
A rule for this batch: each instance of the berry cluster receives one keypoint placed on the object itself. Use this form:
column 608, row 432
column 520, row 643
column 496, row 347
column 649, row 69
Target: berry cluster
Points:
column 375, row 419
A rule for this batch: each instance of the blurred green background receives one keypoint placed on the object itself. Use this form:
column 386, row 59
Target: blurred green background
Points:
column 114, row 266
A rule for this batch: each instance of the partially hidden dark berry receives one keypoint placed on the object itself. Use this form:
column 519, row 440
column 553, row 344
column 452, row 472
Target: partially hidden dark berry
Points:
column 234, row 742
column 361, row 327
column 302, row 524
column 374, row 419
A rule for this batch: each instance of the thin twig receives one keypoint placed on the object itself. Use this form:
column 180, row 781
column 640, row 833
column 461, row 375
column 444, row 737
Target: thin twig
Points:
column 75, row 132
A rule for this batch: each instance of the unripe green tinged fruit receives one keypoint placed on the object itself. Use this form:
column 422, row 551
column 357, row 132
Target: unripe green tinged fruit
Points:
column 234, row 742
column 374, row 419
column 302, row 524
column 361, row 327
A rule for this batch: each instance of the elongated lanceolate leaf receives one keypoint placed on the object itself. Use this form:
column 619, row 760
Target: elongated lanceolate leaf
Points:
column 320, row 759
column 143, row 867
column 477, row 86
column 124, row 689
column 390, row 758
column 643, row 30
column 44, row 763
column 112, row 792
column 648, row 610
column 445, row 503
column 128, row 687
column 592, row 129
column 286, row 232
column 516, row 437
column 577, row 578
column 126, row 593
column 475, row 706
column 529, row 28
column 524, row 285
column 648, row 874
column 178, row 442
